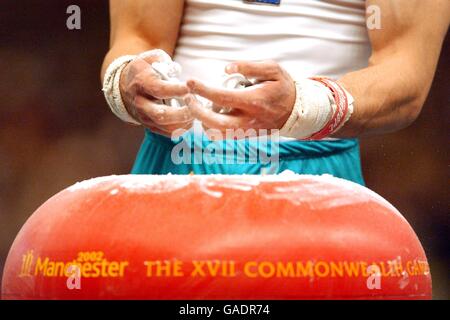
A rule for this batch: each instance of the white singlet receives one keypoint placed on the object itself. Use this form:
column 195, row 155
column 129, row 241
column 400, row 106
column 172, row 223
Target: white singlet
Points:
column 307, row 37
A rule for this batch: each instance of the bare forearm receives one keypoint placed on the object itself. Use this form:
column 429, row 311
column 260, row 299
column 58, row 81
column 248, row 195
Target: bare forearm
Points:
column 142, row 25
column 390, row 93
column 387, row 98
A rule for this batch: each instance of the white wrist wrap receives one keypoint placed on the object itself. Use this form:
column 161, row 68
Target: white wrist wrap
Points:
column 111, row 88
column 315, row 106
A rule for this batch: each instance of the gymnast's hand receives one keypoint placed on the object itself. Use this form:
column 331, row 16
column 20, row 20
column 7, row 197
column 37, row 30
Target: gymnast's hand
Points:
column 142, row 90
column 265, row 105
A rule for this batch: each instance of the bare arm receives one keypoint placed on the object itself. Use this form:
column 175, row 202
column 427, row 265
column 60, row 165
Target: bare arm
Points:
column 141, row 25
column 390, row 92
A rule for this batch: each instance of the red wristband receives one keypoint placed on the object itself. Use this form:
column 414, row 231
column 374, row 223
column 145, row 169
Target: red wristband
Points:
column 340, row 114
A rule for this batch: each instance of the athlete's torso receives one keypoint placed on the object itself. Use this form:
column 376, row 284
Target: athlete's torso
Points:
column 307, row 37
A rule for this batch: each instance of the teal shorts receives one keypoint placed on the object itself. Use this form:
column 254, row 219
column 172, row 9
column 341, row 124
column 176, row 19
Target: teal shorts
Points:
column 196, row 154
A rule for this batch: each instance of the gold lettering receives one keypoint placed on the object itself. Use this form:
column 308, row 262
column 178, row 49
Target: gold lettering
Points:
column 304, row 271
column 266, row 269
column 351, row 268
column 337, row 268
column 285, row 270
column 248, row 272
column 326, row 269
column 198, row 269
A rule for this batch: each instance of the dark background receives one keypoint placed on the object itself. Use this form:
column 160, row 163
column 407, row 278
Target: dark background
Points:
column 56, row 129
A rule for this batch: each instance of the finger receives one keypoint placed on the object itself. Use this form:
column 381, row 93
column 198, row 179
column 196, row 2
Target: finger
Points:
column 161, row 89
column 244, row 99
column 167, row 127
column 157, row 130
column 260, row 70
column 172, row 131
column 161, row 114
column 210, row 118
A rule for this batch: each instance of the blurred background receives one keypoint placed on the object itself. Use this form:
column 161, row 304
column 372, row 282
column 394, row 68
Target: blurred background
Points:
column 56, row 129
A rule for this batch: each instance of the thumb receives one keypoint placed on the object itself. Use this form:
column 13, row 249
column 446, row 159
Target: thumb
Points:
column 259, row 70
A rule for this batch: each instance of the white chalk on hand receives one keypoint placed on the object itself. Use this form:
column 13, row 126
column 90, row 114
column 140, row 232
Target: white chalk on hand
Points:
column 233, row 81
column 169, row 72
